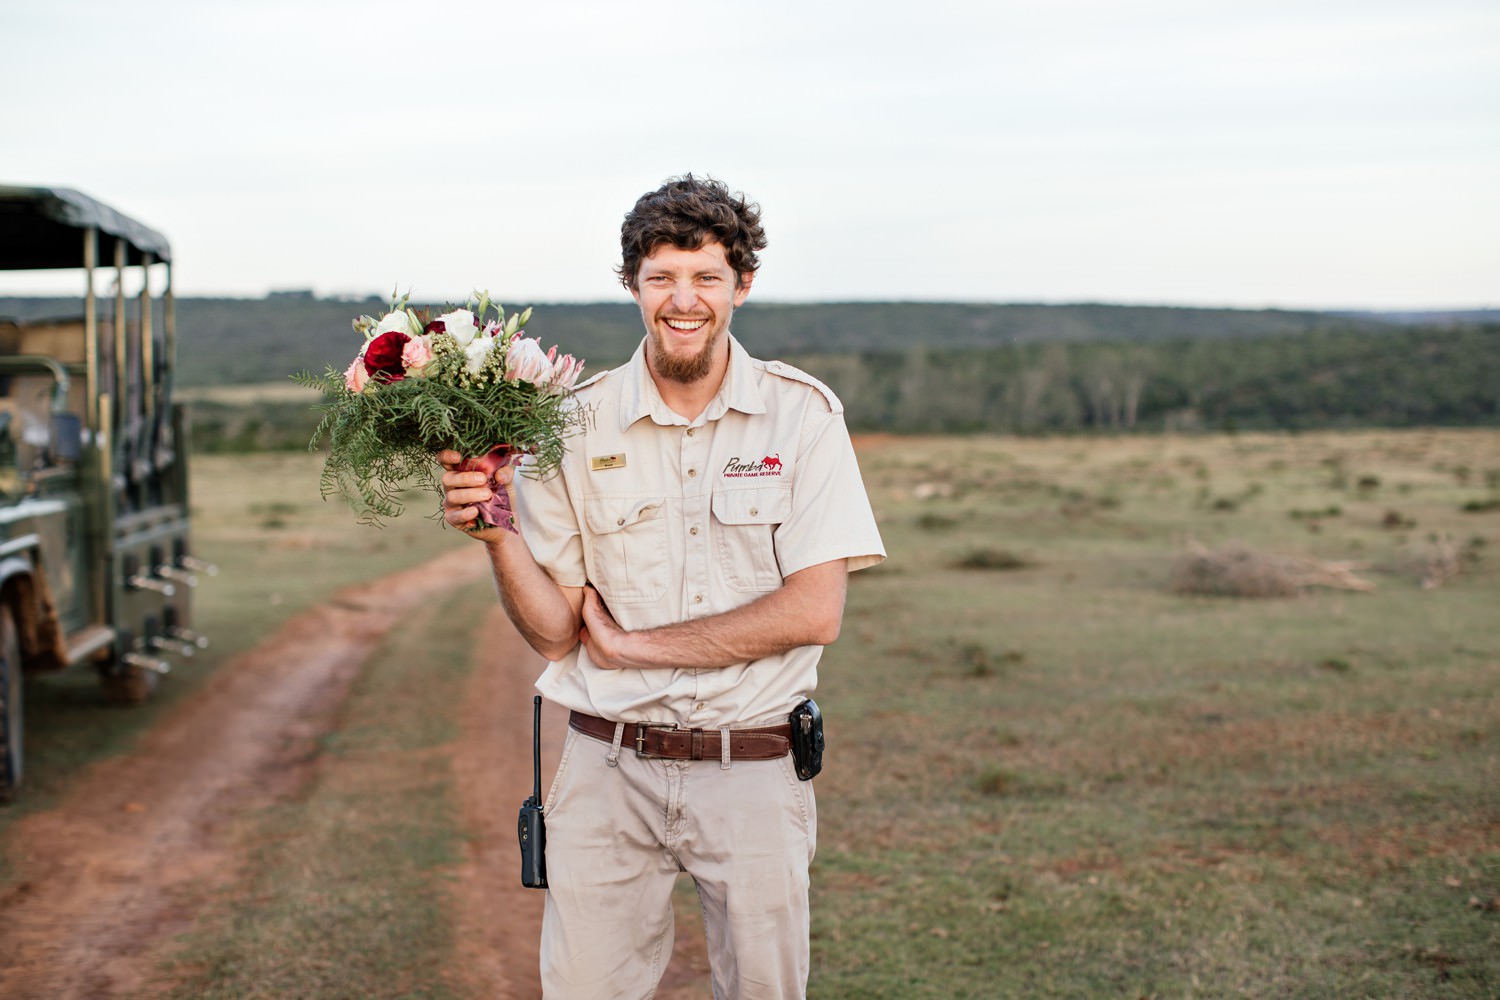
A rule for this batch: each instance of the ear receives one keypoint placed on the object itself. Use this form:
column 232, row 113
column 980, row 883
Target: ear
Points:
column 742, row 288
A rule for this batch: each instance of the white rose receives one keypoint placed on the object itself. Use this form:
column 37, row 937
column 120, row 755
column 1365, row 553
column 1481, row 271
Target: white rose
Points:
column 477, row 350
column 392, row 321
column 460, row 325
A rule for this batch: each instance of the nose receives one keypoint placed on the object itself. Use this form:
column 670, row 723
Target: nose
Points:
column 684, row 296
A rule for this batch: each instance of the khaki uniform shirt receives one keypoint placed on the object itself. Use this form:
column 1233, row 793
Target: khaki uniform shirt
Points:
column 672, row 520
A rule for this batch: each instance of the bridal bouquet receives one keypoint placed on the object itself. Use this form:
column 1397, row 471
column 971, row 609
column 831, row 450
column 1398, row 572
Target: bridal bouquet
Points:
column 466, row 380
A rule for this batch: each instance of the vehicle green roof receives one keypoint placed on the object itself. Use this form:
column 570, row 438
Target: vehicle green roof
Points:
column 41, row 227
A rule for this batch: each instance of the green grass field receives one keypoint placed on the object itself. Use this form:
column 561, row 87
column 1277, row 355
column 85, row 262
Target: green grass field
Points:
column 1056, row 777
column 1048, row 775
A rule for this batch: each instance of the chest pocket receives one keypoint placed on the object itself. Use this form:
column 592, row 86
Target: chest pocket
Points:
column 747, row 520
column 628, row 561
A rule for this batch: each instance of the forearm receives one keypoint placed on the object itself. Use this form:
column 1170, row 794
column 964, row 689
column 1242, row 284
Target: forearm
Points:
column 546, row 615
column 806, row 611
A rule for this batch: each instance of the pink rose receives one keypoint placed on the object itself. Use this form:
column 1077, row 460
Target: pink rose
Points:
column 416, row 354
column 355, row 376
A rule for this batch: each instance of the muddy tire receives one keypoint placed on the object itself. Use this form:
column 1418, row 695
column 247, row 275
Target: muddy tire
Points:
column 10, row 705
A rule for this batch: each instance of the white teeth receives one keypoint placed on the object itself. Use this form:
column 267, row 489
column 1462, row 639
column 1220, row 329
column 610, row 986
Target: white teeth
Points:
column 685, row 324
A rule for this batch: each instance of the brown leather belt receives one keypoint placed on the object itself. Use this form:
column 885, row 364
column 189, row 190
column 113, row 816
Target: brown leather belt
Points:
column 655, row 740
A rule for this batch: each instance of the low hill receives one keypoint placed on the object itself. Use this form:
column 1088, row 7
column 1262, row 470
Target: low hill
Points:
column 239, row 341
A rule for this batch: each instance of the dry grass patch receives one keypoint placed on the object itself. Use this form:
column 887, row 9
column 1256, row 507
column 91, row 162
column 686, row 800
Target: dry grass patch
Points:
column 1236, row 570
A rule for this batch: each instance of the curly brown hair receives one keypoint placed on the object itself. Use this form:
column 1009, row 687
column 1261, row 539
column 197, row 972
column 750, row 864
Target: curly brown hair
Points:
column 687, row 212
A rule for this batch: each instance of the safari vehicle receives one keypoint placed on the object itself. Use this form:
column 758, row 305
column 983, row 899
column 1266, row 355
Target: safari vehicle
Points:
column 95, row 563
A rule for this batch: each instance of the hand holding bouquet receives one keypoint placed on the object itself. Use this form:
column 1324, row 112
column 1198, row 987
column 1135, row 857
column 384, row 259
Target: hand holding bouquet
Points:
column 465, row 381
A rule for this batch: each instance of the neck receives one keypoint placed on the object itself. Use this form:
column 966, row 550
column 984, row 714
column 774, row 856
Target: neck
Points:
column 689, row 399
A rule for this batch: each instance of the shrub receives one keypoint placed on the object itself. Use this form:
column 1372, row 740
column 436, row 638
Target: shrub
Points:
column 1238, row 571
column 994, row 780
column 992, row 559
column 937, row 522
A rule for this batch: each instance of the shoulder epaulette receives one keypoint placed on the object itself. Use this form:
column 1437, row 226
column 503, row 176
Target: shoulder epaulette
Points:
column 592, row 379
column 787, row 371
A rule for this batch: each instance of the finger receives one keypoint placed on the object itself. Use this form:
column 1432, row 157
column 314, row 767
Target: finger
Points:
column 461, row 497
column 469, row 478
column 460, row 517
column 448, row 458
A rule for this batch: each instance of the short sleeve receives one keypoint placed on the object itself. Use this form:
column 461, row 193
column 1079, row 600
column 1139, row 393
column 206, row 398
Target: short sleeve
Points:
column 549, row 524
column 831, row 516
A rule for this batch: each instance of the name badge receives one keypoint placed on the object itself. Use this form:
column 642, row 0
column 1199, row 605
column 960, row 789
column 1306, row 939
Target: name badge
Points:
column 607, row 462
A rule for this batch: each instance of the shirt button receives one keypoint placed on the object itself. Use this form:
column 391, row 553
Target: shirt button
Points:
column 754, row 511
column 692, row 473
column 699, row 706
column 621, row 521
column 693, row 530
column 697, row 598
column 690, row 431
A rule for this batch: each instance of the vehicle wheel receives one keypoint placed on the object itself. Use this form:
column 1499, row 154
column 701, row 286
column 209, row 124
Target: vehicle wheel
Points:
column 10, row 705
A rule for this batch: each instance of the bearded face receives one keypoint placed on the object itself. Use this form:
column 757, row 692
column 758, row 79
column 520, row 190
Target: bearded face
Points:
column 687, row 298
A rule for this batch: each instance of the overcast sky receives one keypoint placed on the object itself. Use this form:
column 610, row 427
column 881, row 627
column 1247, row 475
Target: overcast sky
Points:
column 1295, row 153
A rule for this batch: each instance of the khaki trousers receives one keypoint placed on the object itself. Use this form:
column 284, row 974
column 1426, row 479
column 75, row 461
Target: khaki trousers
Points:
column 619, row 830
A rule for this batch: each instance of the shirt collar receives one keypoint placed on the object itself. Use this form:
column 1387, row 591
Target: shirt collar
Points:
column 740, row 391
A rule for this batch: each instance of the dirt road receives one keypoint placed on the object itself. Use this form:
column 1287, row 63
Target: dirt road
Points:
column 140, row 844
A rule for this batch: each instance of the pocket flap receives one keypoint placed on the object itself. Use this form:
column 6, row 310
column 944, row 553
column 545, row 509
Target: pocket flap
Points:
column 762, row 505
column 610, row 514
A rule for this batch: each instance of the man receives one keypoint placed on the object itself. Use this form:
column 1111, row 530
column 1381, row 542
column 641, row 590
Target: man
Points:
column 682, row 573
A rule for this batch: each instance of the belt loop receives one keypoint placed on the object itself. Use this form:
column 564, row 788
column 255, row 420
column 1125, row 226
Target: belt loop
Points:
column 724, row 740
column 613, row 760
column 696, row 750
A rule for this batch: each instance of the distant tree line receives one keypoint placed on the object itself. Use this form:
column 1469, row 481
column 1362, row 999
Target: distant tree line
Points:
column 223, row 340
column 1334, row 377
column 939, row 367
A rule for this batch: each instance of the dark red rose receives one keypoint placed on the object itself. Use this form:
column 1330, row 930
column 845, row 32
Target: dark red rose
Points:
column 436, row 326
column 383, row 357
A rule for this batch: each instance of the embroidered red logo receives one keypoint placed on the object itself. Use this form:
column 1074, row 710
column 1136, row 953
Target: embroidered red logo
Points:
column 736, row 468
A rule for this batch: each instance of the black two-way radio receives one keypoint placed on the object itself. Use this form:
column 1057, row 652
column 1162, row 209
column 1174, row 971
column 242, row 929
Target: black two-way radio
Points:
column 531, row 827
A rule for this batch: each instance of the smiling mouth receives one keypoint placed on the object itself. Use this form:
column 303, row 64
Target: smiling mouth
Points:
column 685, row 325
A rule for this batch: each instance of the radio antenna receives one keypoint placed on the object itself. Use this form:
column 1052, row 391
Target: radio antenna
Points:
column 536, row 748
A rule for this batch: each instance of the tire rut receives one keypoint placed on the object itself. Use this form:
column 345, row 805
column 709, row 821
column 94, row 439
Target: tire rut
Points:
column 108, row 877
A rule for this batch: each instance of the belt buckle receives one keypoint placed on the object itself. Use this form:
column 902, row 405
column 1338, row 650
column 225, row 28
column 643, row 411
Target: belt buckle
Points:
column 641, row 728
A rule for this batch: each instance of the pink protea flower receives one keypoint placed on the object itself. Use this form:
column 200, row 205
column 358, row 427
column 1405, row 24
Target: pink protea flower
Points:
column 565, row 372
column 525, row 362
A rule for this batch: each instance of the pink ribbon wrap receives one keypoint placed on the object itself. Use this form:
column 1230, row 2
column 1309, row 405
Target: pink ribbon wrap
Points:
column 494, row 512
